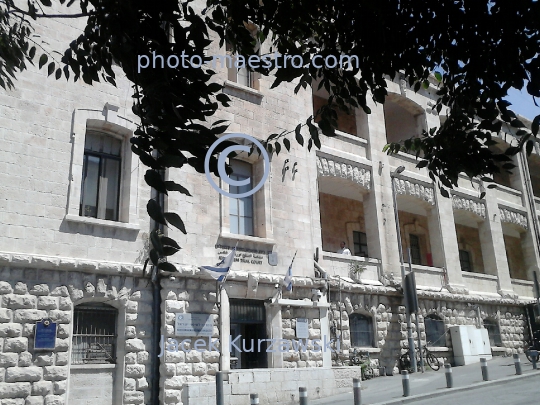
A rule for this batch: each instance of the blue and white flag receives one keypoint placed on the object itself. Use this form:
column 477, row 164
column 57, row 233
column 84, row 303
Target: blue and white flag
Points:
column 221, row 270
column 287, row 281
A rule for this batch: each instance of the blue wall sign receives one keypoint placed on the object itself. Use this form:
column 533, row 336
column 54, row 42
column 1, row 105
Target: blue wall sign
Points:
column 45, row 336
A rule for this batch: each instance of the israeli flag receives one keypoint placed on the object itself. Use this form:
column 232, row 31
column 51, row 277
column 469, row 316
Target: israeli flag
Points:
column 220, row 270
column 287, row 281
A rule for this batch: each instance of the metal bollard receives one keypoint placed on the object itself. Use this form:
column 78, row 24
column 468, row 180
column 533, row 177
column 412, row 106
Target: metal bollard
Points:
column 406, row 383
column 219, row 388
column 449, row 376
column 517, row 363
column 254, row 399
column 303, row 396
column 483, row 366
column 357, row 391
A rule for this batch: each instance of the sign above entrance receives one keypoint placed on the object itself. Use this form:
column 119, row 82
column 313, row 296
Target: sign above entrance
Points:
column 302, row 330
column 243, row 255
column 193, row 325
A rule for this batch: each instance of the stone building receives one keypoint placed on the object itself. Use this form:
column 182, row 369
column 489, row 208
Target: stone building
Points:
column 74, row 234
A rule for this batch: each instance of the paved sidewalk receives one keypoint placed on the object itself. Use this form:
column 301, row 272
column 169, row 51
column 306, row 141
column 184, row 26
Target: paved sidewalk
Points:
column 388, row 390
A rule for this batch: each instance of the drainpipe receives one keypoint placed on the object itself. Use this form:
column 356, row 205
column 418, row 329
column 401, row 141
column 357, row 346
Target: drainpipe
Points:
column 156, row 312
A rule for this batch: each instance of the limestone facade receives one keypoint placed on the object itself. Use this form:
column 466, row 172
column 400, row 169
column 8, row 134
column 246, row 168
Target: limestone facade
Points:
column 473, row 259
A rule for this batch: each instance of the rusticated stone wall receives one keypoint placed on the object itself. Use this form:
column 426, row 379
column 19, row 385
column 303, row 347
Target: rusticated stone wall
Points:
column 312, row 356
column 29, row 377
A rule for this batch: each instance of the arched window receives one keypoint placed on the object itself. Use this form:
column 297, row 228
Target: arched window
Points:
column 494, row 332
column 435, row 331
column 361, row 327
column 94, row 334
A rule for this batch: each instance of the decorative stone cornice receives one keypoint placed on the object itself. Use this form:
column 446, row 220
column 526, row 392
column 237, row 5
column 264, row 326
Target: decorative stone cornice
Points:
column 513, row 217
column 467, row 204
column 333, row 167
column 66, row 263
column 407, row 187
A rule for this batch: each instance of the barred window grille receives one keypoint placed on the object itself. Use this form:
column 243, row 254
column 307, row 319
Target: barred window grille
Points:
column 361, row 330
column 494, row 333
column 94, row 334
column 435, row 331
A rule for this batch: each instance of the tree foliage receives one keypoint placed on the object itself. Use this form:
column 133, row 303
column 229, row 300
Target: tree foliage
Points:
column 477, row 49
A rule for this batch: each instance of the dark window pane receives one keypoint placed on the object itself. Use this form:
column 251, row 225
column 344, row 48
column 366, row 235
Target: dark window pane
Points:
column 465, row 260
column 101, row 177
column 416, row 258
column 360, row 244
column 90, row 186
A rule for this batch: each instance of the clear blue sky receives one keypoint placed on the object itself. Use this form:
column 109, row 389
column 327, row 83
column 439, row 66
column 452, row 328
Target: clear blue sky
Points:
column 522, row 103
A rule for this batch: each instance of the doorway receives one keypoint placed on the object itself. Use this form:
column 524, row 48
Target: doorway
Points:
column 248, row 327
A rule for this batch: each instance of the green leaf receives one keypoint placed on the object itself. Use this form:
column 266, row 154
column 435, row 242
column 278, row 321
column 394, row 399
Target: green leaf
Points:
column 169, row 250
column 156, row 242
column 438, row 76
column 175, row 220
column 287, row 144
column 153, row 179
column 42, row 60
column 535, row 125
column 529, row 147
column 154, row 256
column 32, row 52
column 278, row 148
column 166, row 241
column 165, row 266
column 58, row 73
column 298, row 136
column 155, row 212
column 172, row 186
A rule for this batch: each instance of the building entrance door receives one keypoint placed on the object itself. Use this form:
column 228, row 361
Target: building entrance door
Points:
column 248, row 330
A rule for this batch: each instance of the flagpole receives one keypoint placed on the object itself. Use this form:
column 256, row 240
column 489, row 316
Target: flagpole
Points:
column 290, row 268
column 229, row 272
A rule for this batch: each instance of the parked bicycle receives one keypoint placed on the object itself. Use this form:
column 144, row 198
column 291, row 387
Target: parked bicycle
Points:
column 429, row 358
column 362, row 360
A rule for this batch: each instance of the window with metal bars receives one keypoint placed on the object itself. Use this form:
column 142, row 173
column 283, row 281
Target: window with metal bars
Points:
column 360, row 244
column 494, row 333
column 100, row 187
column 361, row 330
column 94, row 334
column 416, row 257
column 435, row 331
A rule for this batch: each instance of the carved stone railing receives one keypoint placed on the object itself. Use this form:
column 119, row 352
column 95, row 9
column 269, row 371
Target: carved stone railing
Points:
column 332, row 167
column 407, row 187
column 513, row 217
column 467, row 204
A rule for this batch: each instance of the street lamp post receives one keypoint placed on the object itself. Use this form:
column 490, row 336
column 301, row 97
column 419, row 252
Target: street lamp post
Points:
column 410, row 338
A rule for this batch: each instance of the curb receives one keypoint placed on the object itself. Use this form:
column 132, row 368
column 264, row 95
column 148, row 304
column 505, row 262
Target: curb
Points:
column 448, row 391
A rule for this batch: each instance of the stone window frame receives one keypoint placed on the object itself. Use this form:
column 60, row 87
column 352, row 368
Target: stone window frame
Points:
column 262, row 199
column 108, row 122
column 424, row 241
column 119, row 366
